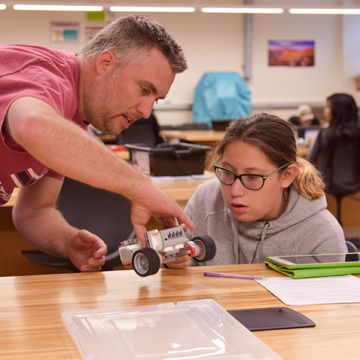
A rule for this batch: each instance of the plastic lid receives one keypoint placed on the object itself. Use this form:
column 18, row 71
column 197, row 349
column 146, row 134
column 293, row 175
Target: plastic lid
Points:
column 188, row 330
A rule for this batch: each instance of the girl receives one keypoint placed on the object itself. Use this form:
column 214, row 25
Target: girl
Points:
column 265, row 201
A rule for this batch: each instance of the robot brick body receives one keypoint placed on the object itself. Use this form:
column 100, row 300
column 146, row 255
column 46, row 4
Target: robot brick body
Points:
column 163, row 246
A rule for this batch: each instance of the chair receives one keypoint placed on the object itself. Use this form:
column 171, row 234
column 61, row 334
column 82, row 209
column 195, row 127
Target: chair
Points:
column 352, row 249
column 342, row 171
column 103, row 213
column 142, row 132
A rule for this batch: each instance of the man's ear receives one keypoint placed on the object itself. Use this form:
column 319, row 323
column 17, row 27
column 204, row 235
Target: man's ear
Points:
column 288, row 175
column 105, row 63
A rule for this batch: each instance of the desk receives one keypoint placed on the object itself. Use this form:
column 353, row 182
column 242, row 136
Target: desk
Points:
column 200, row 136
column 205, row 137
column 107, row 138
column 208, row 137
column 31, row 307
column 180, row 189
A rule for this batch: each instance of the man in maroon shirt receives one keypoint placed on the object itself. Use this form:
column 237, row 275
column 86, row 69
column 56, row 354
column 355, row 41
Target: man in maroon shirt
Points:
column 47, row 100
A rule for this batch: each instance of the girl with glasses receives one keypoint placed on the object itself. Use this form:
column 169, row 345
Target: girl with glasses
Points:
column 264, row 201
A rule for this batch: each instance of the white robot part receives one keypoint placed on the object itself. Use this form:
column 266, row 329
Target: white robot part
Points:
column 164, row 246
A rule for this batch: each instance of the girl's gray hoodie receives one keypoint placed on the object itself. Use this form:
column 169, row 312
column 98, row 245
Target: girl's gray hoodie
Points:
column 305, row 227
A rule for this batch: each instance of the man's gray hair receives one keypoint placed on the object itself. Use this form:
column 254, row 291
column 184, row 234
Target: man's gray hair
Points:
column 132, row 36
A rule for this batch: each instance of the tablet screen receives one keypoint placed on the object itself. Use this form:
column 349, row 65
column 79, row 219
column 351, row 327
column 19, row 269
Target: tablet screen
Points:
column 316, row 258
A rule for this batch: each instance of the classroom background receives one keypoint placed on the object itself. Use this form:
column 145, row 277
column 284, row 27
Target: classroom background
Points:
column 216, row 42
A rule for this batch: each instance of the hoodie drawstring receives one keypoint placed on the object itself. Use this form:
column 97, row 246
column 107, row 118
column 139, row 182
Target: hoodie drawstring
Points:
column 236, row 245
column 259, row 249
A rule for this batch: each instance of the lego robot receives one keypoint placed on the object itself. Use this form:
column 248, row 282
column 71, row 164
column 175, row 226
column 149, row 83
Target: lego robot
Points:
column 163, row 246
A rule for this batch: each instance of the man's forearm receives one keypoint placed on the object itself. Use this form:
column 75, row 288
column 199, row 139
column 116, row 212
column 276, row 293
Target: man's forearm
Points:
column 66, row 148
column 47, row 230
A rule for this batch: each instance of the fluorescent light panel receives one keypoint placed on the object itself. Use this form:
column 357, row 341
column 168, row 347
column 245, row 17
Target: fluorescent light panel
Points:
column 2, row 6
column 57, row 7
column 151, row 9
column 242, row 10
column 326, row 11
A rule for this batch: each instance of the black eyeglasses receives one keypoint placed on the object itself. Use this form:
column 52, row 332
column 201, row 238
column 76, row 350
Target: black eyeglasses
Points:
column 249, row 181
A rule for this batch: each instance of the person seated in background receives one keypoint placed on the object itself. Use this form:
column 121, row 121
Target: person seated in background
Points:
column 341, row 113
column 265, row 200
column 305, row 117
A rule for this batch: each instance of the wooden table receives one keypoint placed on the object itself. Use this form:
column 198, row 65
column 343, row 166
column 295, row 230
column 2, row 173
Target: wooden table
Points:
column 208, row 137
column 199, row 136
column 180, row 189
column 183, row 188
column 107, row 138
column 31, row 307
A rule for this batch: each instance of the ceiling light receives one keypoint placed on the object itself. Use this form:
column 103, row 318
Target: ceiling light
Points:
column 242, row 10
column 57, row 7
column 2, row 6
column 326, row 11
column 151, row 9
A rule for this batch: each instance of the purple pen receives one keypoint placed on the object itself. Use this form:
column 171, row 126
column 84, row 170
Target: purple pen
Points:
column 238, row 276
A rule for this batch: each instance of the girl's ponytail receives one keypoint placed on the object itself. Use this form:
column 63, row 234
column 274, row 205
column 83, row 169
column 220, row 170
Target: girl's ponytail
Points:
column 308, row 181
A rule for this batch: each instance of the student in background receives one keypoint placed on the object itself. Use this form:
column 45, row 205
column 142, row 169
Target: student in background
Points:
column 305, row 117
column 342, row 115
column 265, row 200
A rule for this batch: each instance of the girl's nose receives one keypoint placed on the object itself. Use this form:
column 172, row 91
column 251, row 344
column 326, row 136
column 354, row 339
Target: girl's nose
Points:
column 237, row 188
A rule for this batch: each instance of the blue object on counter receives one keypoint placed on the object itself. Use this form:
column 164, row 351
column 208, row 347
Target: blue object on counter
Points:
column 221, row 96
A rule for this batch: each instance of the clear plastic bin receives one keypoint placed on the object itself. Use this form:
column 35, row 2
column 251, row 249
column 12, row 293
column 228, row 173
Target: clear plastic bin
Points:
column 199, row 329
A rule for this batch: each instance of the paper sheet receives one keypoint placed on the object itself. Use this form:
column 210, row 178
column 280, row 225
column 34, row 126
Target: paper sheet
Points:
column 321, row 290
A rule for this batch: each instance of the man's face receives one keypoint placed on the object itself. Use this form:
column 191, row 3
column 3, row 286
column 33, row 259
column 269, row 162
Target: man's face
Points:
column 116, row 99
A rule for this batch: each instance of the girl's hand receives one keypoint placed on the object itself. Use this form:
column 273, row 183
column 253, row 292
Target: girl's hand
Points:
column 180, row 262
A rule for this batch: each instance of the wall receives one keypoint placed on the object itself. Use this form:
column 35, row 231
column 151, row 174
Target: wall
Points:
column 214, row 42
column 351, row 53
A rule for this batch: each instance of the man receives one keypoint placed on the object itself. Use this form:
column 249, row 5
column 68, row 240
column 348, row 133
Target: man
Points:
column 47, row 99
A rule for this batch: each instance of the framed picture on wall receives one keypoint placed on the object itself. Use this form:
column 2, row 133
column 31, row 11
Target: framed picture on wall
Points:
column 291, row 52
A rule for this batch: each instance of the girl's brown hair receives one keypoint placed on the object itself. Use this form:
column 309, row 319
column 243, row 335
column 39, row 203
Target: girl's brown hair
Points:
column 275, row 138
